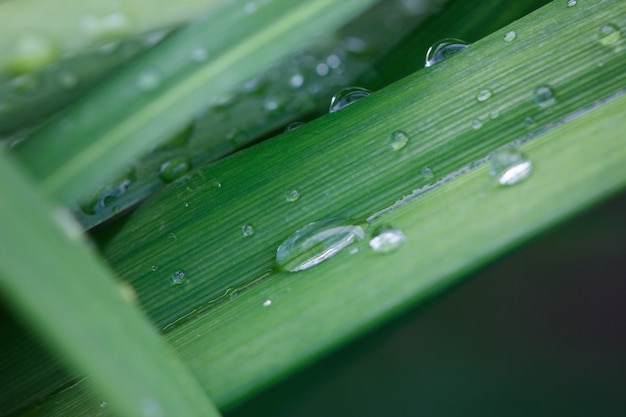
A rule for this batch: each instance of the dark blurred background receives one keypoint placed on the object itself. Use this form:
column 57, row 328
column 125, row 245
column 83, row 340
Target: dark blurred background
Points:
column 541, row 332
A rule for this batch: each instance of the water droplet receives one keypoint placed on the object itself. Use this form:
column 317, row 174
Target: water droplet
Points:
column 509, row 166
column 272, row 106
column 398, row 140
column 494, row 114
column 267, row 303
column 571, row 3
column 109, row 26
column 154, row 268
column 315, row 243
column 296, row 80
column 356, row 46
column 477, row 124
column 442, row 50
column 172, row 236
column 105, row 197
column 149, row 79
column 67, row 80
column 250, row 8
column 174, row 169
column 484, row 95
column 247, row 230
column 346, row 97
column 103, row 404
column 510, row 36
column 333, row 61
column 292, row 196
column 427, row 173
column 27, row 84
column 186, row 204
column 294, row 126
column 179, row 277
column 237, row 137
column 529, row 121
column 31, row 53
column 322, row 69
column 199, row 53
column 386, row 239
column 609, row 34
column 543, row 96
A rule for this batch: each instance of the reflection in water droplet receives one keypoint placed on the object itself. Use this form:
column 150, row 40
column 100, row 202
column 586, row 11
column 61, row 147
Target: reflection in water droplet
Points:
column 386, row 239
column 292, row 196
column 346, row 97
column 609, row 34
column 315, row 243
column 442, row 50
column 267, row 303
column 174, row 169
column 247, row 230
column 179, row 277
column 398, row 140
column 543, row 96
column 294, row 126
column 571, row 3
column 149, row 79
column 510, row 36
column 484, row 95
column 509, row 166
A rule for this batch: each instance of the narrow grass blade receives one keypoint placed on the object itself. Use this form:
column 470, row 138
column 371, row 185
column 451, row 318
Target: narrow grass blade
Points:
column 157, row 95
column 34, row 33
column 62, row 290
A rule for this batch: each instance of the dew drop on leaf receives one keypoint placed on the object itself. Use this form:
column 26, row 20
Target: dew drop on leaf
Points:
column 315, row 243
column 174, row 169
column 346, row 97
column 509, row 166
column 442, row 50
column 398, row 140
column 179, row 277
column 386, row 239
column 292, row 196
column 510, row 36
column 247, row 230
column 543, row 96
column 484, row 95
column 609, row 34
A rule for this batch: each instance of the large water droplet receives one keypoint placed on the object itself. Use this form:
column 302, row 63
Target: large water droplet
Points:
column 571, row 3
column 484, row 95
column 509, row 166
column 174, row 169
column 510, row 36
column 32, row 52
column 179, row 277
column 149, row 79
column 386, row 239
column 346, row 97
column 315, row 243
column 609, row 34
column 442, row 50
column 543, row 96
column 398, row 140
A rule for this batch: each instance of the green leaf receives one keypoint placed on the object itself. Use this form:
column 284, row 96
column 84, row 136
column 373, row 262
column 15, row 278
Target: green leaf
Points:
column 160, row 92
column 57, row 285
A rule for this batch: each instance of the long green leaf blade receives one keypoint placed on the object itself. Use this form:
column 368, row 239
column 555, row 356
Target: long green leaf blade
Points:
column 57, row 285
column 158, row 94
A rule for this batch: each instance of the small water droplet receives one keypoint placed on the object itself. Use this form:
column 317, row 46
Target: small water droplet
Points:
column 494, row 114
column 67, row 80
column 237, row 137
column 103, row 404
column 315, row 243
column 250, row 8
column 510, row 36
column 31, row 53
column 333, row 61
column 267, row 303
column 296, row 80
column 172, row 236
column 398, row 140
column 386, row 239
column 108, row 26
column 294, row 126
column 292, row 196
column 477, row 124
column 247, row 230
column 199, row 53
column 154, row 268
column 529, row 121
column 443, row 49
column 346, row 97
column 484, row 95
column 149, row 79
column 571, row 3
column 179, row 277
column 356, row 46
column 427, row 173
column 174, row 169
column 186, row 204
column 509, row 166
column 322, row 69
column 543, row 96
column 609, row 34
